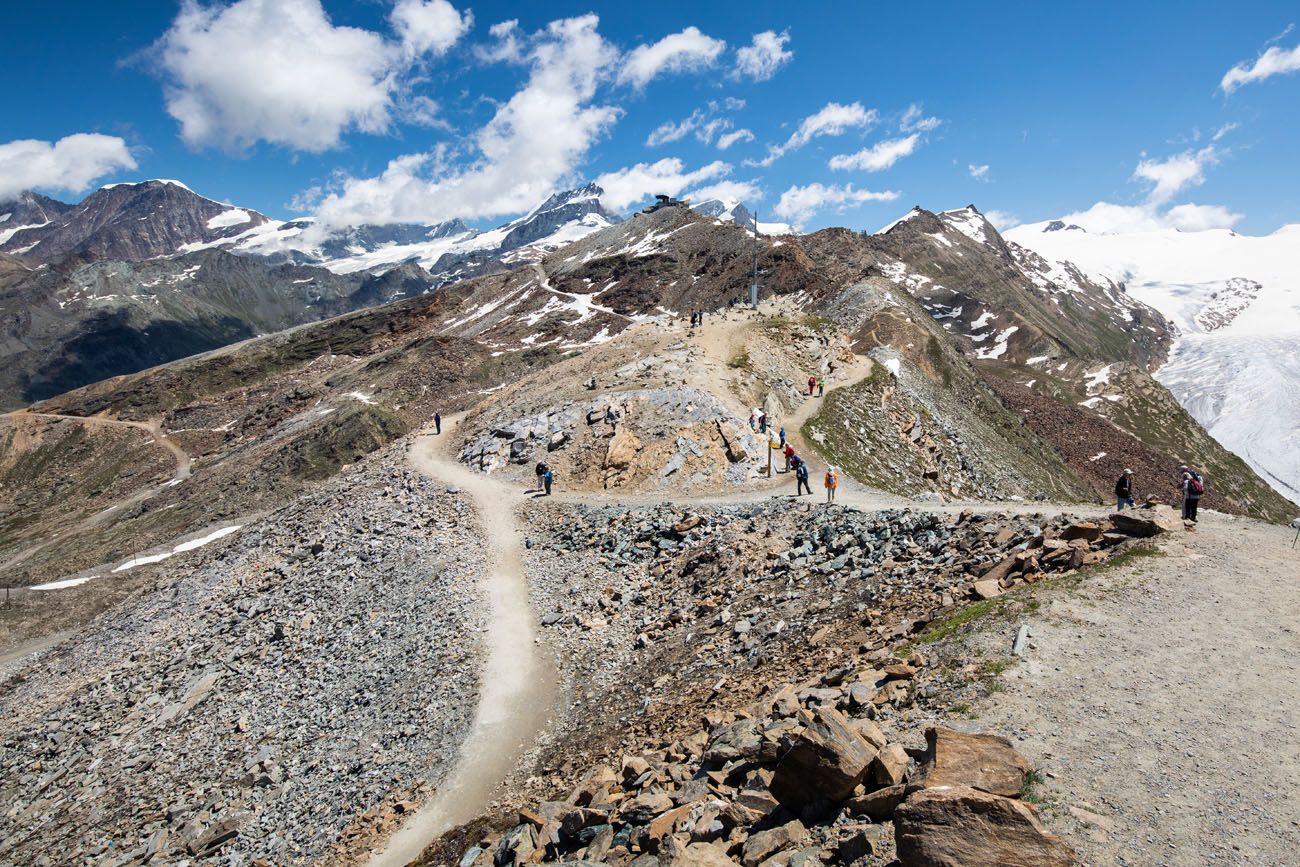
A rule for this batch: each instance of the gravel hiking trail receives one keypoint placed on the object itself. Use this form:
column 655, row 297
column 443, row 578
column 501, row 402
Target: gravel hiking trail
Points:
column 1164, row 698
column 517, row 688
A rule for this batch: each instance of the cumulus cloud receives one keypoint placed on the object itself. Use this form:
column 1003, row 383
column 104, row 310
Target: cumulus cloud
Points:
column 798, row 204
column 765, row 54
column 879, row 156
column 279, row 71
column 729, row 191
column 1170, row 176
column 1274, row 61
column 429, row 25
column 831, row 120
column 1002, row 220
column 72, row 163
column 1105, row 218
column 533, row 141
column 678, row 52
column 632, row 184
column 979, row 172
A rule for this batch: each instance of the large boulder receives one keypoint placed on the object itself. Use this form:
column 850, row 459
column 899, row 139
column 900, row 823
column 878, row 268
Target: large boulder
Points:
column 674, row 854
column 981, row 761
column 1146, row 521
column 824, row 761
column 956, row 826
column 763, row 844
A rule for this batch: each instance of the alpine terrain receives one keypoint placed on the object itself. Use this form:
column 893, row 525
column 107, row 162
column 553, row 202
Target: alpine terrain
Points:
column 1235, row 302
column 418, row 544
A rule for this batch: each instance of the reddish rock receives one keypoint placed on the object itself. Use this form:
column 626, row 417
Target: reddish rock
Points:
column 956, row 826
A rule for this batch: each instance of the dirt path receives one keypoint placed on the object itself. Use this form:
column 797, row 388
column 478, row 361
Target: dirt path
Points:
column 1165, row 700
column 153, row 427
column 517, row 686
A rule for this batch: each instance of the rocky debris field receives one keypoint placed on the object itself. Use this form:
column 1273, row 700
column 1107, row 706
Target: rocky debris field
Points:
column 679, row 438
column 268, row 697
column 665, row 612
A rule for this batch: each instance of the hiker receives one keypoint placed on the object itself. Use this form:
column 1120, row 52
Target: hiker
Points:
column 1124, row 491
column 821, row 387
column 812, row 383
column 832, row 482
column 547, row 478
column 541, row 470
column 801, row 478
column 437, row 423
column 762, row 422
column 789, row 454
column 611, row 419
column 753, row 419
column 781, row 434
column 1192, row 486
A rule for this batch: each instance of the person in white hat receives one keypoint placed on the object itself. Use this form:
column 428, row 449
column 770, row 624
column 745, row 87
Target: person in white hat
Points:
column 1124, row 491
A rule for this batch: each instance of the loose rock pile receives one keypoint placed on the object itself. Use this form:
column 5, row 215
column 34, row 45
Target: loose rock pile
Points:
column 268, row 692
column 799, row 780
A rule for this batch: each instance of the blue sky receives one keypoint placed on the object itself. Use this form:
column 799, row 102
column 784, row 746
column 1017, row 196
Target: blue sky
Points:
column 289, row 106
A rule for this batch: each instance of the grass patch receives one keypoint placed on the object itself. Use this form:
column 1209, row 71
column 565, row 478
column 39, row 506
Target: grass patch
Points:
column 961, row 708
column 1029, row 788
column 941, row 629
column 995, row 667
column 741, row 361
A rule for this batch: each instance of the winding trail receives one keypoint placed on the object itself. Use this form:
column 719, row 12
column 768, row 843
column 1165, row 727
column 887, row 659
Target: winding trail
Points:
column 153, row 427
column 517, row 688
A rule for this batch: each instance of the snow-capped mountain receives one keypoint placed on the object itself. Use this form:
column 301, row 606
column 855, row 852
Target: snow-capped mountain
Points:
column 126, row 222
column 1235, row 300
column 450, row 250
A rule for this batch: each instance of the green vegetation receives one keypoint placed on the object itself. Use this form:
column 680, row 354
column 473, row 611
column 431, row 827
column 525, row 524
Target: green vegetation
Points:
column 941, row 629
column 1029, row 788
column 741, row 361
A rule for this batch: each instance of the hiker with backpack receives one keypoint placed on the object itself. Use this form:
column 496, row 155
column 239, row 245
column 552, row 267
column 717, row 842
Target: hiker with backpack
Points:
column 812, row 383
column 542, row 469
column 437, row 423
column 547, row 478
column 1124, row 491
column 1193, row 488
column 821, row 387
column 789, row 456
column 832, row 482
column 800, row 476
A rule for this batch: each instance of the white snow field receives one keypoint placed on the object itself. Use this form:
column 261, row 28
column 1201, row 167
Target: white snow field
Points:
column 1235, row 299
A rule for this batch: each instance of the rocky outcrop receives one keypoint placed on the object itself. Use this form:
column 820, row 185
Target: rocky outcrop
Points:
column 954, row 826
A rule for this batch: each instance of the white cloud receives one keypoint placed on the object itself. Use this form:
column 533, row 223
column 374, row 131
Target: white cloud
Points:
column 1105, row 217
column 668, row 131
column 706, row 123
column 678, row 52
column 635, row 183
column 1224, row 130
column 1002, row 220
column 798, row 204
column 72, row 163
column 1170, row 176
column 728, row 191
column 912, row 120
column 833, row 119
column 1194, row 218
column 279, row 71
column 429, row 25
column 979, row 172
column 765, row 54
column 533, row 142
column 1274, row 61
column 728, row 139
column 879, row 156
column 506, row 45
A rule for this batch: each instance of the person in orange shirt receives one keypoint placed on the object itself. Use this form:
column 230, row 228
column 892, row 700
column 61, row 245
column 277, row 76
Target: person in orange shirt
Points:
column 832, row 482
